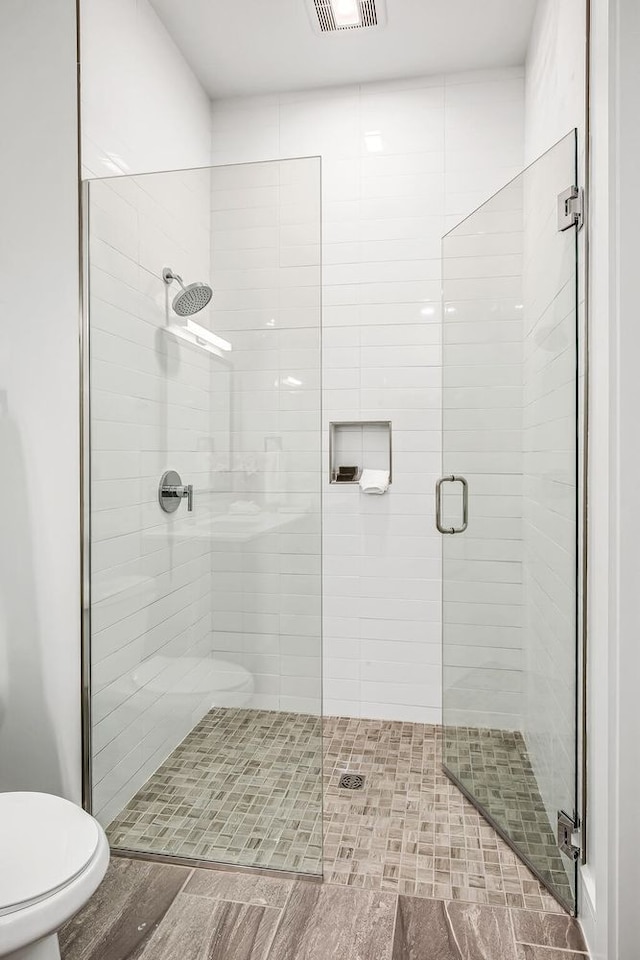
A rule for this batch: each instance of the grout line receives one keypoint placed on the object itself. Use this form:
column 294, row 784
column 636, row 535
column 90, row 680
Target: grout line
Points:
column 181, row 890
column 242, row 903
column 283, row 909
column 513, row 929
column 546, row 946
column 393, row 929
column 450, row 926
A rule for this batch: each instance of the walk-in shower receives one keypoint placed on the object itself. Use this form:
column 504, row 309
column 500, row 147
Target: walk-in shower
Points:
column 203, row 658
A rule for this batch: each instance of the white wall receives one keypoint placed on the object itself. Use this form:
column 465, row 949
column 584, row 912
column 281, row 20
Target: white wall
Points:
column 39, row 390
column 610, row 916
column 555, row 75
column 402, row 162
column 599, row 918
column 143, row 109
column 616, row 273
column 555, row 103
column 614, row 842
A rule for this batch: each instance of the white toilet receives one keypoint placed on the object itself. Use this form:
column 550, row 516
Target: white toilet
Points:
column 53, row 856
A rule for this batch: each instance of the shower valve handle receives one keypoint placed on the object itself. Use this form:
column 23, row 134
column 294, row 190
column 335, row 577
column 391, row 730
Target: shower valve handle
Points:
column 181, row 491
column 172, row 491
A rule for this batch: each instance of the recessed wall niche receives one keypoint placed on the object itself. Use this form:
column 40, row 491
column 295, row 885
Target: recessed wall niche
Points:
column 355, row 445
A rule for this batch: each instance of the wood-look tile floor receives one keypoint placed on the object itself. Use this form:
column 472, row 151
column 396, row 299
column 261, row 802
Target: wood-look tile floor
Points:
column 153, row 911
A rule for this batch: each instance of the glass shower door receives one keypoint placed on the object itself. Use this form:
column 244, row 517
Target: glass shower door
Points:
column 202, row 640
column 507, row 508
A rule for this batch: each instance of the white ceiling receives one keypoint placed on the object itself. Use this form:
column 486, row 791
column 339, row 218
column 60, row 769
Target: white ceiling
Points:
column 240, row 47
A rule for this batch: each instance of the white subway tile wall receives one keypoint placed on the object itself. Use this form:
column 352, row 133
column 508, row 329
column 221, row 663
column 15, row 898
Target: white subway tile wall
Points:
column 402, row 162
column 266, row 436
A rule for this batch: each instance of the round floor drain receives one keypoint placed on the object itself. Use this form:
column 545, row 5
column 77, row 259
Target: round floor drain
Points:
column 351, row 781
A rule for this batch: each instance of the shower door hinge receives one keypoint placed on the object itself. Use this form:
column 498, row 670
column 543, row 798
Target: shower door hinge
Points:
column 570, row 208
column 569, row 835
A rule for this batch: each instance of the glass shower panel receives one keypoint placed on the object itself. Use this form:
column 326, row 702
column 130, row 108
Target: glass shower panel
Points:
column 509, row 472
column 205, row 638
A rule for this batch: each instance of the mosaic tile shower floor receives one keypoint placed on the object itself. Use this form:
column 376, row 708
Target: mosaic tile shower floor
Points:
column 410, row 829
column 244, row 788
column 494, row 766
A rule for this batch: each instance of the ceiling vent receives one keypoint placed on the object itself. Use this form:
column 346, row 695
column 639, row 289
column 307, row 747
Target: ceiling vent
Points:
column 325, row 15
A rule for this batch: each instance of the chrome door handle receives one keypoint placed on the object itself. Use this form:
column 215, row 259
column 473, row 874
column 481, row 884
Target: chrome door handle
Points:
column 171, row 491
column 465, row 504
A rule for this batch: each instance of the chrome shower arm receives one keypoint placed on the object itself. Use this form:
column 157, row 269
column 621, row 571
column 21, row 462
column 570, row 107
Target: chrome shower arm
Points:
column 169, row 276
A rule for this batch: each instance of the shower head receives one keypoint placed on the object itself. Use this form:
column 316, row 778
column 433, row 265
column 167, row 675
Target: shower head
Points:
column 192, row 298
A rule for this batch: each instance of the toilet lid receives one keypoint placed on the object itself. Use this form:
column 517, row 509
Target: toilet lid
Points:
column 45, row 842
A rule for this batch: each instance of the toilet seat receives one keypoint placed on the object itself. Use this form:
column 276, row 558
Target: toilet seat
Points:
column 45, row 842
column 53, row 855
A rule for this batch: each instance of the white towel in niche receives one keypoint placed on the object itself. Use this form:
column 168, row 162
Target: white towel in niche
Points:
column 374, row 481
